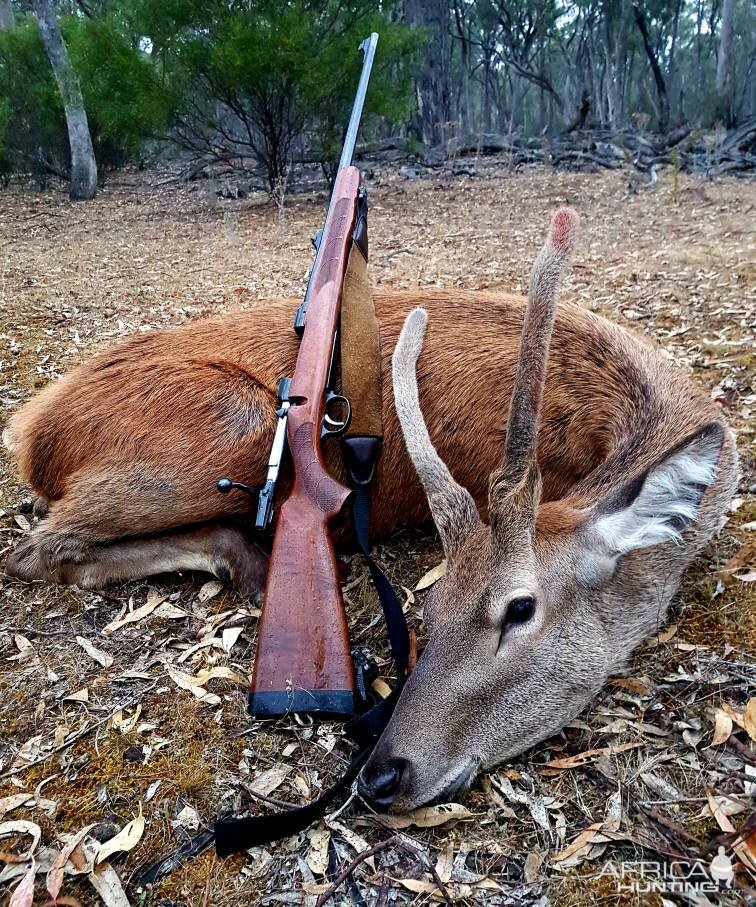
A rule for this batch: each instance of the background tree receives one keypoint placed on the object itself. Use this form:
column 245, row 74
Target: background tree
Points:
column 433, row 88
column 265, row 87
column 83, row 181
column 274, row 80
column 7, row 18
column 724, row 64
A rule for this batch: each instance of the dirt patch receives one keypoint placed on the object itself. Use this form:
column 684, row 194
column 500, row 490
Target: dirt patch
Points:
column 676, row 262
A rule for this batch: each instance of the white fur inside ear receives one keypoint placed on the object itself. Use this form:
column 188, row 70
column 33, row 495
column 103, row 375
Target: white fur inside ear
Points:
column 667, row 502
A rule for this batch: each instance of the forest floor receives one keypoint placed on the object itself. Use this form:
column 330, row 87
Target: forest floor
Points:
column 95, row 729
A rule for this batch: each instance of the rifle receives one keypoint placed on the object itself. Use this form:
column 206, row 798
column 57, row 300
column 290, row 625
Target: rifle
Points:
column 303, row 661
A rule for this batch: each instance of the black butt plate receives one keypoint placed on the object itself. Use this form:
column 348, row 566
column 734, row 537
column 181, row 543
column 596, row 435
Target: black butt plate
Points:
column 323, row 703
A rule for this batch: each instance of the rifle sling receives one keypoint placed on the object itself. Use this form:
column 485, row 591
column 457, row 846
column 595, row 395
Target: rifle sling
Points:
column 234, row 834
column 359, row 339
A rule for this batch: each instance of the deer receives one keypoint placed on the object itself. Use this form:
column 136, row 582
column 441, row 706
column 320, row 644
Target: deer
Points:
column 566, row 527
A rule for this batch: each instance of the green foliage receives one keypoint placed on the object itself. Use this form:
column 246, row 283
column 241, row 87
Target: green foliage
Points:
column 123, row 96
column 226, row 79
column 31, row 114
column 125, row 100
column 262, row 78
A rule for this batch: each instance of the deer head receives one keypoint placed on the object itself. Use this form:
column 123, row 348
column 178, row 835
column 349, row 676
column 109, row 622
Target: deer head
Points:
column 538, row 607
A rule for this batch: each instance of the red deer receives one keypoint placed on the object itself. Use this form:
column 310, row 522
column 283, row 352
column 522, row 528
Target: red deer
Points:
column 611, row 472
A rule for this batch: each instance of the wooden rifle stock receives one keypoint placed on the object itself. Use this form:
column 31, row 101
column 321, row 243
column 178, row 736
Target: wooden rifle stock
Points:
column 303, row 661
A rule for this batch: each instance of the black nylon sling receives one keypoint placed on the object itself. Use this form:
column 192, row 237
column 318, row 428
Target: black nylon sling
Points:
column 236, row 833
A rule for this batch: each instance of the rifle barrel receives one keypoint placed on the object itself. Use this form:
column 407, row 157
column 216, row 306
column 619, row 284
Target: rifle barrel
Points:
column 347, row 153
column 350, row 140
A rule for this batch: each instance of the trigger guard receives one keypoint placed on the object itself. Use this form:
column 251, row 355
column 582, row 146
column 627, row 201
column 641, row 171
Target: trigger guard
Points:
column 331, row 426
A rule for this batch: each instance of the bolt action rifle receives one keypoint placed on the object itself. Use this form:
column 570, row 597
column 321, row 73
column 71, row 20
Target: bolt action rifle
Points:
column 303, row 661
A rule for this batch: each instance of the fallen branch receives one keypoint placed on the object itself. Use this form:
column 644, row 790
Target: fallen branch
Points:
column 348, row 870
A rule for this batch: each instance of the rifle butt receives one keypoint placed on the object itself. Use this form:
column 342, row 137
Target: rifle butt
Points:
column 303, row 662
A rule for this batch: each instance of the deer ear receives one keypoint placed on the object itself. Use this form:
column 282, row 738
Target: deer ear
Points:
column 658, row 505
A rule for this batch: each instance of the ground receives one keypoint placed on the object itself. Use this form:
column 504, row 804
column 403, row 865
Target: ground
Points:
column 101, row 735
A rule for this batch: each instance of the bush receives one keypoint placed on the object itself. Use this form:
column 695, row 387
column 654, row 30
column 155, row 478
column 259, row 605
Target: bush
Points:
column 225, row 79
column 265, row 79
column 123, row 96
column 32, row 126
column 125, row 100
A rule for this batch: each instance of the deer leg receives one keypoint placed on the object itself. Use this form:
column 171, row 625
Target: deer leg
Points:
column 220, row 549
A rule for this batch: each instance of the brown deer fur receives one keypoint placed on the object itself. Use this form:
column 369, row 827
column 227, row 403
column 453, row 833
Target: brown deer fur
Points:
column 131, row 443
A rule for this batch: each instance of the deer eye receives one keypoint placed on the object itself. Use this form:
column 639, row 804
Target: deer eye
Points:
column 520, row 610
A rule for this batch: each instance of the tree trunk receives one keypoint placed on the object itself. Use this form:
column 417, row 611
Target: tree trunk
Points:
column 486, row 107
column 724, row 106
column 465, row 106
column 434, row 80
column 675, row 107
column 83, row 166
column 661, row 87
column 6, row 15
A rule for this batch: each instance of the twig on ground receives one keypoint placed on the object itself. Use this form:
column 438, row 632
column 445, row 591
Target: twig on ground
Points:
column 281, row 804
column 348, row 870
column 417, row 851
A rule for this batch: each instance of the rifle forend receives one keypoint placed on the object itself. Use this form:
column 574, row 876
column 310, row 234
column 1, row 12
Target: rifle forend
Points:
column 303, row 661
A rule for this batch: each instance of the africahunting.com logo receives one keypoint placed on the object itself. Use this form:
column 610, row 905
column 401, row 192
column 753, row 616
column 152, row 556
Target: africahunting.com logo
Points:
column 676, row 877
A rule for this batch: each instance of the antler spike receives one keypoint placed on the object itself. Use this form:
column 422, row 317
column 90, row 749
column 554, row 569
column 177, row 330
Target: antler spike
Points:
column 452, row 506
column 519, row 467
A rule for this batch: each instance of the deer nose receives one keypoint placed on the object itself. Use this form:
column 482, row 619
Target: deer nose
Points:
column 379, row 783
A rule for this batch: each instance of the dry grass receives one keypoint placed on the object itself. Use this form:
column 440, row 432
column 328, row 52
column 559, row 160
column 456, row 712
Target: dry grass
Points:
column 678, row 265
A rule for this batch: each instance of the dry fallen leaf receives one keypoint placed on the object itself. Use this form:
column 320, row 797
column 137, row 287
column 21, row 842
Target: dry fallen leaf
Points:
column 743, row 557
column 230, row 637
column 663, row 637
column 317, row 854
column 533, row 863
column 431, row 577
column 355, row 841
column 736, row 716
column 55, row 875
column 187, row 818
column 429, row 816
column 21, row 827
column 220, row 672
column 126, row 839
column 102, row 658
column 133, row 617
column 23, row 895
column 718, row 812
column 8, row 804
column 20, row 520
column 103, row 878
column 631, row 684
column 586, row 756
column 209, row 590
column 416, row 886
column 749, row 718
column 188, row 682
column 722, row 728
column 445, row 863
column 267, row 781
column 81, row 695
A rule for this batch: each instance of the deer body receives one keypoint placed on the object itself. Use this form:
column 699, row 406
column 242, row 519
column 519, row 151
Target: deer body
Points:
column 124, row 453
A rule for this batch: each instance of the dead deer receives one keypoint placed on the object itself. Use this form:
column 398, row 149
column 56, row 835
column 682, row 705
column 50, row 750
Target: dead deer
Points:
column 613, row 471
column 542, row 603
